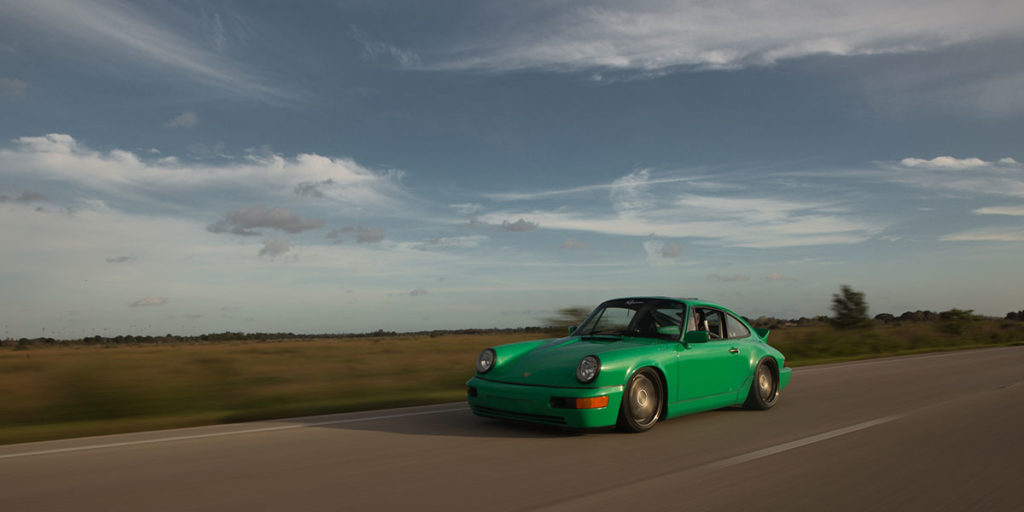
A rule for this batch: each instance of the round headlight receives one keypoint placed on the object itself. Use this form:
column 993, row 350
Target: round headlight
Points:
column 486, row 361
column 588, row 369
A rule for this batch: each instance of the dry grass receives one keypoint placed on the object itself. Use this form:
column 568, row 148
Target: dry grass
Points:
column 54, row 392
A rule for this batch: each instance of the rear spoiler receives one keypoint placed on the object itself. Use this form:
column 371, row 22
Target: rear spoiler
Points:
column 761, row 333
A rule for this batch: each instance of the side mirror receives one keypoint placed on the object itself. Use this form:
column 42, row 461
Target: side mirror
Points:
column 696, row 337
column 572, row 329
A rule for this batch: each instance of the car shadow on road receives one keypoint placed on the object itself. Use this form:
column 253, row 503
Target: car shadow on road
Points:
column 459, row 422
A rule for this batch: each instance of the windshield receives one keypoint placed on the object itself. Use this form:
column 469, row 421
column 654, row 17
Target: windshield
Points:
column 649, row 318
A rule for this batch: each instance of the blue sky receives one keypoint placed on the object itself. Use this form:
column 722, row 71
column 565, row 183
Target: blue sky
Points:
column 343, row 166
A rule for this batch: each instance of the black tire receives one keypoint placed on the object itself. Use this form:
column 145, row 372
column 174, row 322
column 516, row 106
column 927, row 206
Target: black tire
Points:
column 642, row 401
column 764, row 388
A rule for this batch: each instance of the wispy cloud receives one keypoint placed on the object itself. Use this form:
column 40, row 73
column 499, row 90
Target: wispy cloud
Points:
column 127, row 31
column 374, row 50
column 25, row 197
column 571, row 243
column 150, row 301
column 13, row 88
column 362, row 234
column 625, row 183
column 119, row 259
column 461, row 242
column 1017, row 211
column 273, row 247
column 986, row 235
column 732, row 278
column 652, row 36
column 637, row 208
column 187, row 119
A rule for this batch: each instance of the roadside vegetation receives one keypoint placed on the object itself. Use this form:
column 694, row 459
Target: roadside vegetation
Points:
column 68, row 388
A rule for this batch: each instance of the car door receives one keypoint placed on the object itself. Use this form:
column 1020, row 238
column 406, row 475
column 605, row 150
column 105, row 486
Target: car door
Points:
column 710, row 371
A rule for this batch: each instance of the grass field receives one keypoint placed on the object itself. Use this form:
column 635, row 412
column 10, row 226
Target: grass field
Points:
column 69, row 391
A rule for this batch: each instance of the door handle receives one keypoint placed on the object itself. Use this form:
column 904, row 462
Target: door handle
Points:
column 734, row 350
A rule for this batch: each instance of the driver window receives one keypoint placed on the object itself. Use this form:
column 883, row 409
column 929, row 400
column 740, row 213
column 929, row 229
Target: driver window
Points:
column 713, row 321
column 710, row 320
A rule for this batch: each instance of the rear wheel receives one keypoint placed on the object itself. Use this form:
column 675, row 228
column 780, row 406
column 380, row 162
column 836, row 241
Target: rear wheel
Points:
column 642, row 401
column 764, row 390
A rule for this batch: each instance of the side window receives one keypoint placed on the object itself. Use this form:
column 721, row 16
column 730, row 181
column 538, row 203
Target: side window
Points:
column 713, row 323
column 735, row 328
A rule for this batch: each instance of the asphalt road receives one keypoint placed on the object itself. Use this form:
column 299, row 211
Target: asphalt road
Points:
column 931, row 432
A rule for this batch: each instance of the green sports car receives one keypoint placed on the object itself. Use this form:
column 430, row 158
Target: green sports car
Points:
column 632, row 362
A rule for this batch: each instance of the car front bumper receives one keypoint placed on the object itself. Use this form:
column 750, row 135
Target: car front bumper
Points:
column 542, row 404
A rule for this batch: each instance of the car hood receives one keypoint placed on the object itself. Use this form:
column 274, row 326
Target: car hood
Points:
column 553, row 362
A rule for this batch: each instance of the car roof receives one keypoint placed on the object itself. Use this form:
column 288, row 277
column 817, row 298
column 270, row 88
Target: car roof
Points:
column 693, row 301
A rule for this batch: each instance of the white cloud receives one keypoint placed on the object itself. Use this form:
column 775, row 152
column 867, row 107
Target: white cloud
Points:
column 656, row 35
column 1002, row 177
column 343, row 181
column 150, row 301
column 986, row 235
column 945, row 163
column 187, row 119
column 1017, row 211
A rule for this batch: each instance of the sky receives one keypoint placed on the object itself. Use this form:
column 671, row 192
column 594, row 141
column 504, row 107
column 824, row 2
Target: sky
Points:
column 187, row 167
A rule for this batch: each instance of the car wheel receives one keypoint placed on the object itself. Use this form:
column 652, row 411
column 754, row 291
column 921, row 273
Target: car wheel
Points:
column 764, row 389
column 641, row 402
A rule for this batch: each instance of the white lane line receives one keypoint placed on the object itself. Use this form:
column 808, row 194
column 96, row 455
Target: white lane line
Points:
column 593, row 500
column 230, row 433
column 779, row 448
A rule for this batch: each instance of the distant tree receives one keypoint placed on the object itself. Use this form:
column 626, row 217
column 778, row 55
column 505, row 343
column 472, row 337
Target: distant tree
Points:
column 885, row 317
column 849, row 308
column 1015, row 315
column 568, row 317
column 919, row 316
column 957, row 321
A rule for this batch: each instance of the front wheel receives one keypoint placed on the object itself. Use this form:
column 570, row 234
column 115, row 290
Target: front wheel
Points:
column 641, row 402
column 764, row 390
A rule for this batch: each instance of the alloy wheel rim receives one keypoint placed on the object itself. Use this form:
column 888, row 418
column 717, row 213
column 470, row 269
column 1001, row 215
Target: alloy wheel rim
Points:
column 644, row 400
column 765, row 384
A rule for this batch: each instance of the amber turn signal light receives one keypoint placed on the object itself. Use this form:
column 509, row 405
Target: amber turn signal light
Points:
column 592, row 403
